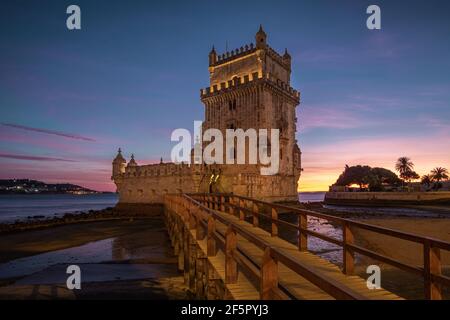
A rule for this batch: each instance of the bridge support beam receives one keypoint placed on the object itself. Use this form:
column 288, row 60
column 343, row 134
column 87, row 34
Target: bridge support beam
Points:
column 348, row 254
column 432, row 266
column 269, row 276
column 231, row 268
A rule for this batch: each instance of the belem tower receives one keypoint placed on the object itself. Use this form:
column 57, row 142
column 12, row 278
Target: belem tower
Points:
column 249, row 88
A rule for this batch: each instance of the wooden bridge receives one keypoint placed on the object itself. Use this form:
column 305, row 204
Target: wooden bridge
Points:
column 230, row 247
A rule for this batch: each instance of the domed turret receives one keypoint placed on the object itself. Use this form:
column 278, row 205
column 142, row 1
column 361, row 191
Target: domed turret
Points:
column 132, row 162
column 212, row 56
column 119, row 163
column 286, row 55
column 261, row 38
column 287, row 58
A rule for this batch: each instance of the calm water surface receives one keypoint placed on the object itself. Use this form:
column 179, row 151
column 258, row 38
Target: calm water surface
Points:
column 20, row 207
column 311, row 196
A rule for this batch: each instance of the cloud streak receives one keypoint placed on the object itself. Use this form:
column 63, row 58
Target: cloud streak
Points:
column 46, row 131
column 32, row 158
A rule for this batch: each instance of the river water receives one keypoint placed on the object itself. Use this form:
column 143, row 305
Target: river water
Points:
column 22, row 207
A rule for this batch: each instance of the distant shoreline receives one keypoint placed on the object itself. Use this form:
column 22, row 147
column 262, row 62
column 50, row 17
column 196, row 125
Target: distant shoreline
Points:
column 52, row 192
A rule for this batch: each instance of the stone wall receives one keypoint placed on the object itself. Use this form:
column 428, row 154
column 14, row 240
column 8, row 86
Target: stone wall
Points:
column 387, row 198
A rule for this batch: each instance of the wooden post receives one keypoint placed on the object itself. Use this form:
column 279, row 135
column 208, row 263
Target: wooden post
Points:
column 269, row 276
column 302, row 236
column 222, row 203
column 199, row 234
column 231, row 269
column 255, row 215
column 231, row 205
column 432, row 266
column 241, row 210
column 211, row 240
column 348, row 253
column 274, row 232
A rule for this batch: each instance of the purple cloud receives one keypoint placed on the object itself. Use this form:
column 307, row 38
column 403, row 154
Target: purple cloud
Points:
column 32, row 158
column 46, row 131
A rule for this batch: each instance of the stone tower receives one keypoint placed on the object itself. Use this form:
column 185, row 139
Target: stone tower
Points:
column 250, row 88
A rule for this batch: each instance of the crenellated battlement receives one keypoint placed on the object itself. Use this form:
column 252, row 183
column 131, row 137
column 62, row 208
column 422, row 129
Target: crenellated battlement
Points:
column 236, row 82
column 278, row 57
column 158, row 169
column 233, row 54
column 247, row 50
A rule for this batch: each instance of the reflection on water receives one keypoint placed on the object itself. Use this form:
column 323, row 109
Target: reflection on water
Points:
column 151, row 245
column 92, row 252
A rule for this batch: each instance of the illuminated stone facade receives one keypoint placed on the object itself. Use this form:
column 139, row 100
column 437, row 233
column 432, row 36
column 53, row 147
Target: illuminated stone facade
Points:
column 249, row 88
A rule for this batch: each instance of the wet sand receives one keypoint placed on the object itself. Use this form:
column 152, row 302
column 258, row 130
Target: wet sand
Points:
column 31, row 242
column 406, row 251
column 119, row 259
column 393, row 279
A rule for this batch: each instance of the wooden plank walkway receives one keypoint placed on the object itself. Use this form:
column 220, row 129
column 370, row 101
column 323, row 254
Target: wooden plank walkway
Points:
column 294, row 284
column 243, row 289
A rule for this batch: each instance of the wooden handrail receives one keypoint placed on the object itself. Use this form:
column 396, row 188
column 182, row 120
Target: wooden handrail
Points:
column 431, row 271
column 325, row 283
column 386, row 231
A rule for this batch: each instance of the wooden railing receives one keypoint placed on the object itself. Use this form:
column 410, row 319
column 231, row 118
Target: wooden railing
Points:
column 240, row 206
column 199, row 217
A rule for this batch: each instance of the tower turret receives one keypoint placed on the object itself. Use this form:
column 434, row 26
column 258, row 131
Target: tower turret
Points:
column 212, row 56
column 287, row 56
column 261, row 38
column 118, row 164
column 132, row 162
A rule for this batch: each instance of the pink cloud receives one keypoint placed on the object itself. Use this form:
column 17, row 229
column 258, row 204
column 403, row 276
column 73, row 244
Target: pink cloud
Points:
column 32, row 158
column 327, row 117
column 47, row 131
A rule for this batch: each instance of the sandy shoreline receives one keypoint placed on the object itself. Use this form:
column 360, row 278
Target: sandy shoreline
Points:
column 139, row 244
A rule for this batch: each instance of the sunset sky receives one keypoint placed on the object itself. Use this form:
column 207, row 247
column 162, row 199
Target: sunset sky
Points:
column 69, row 99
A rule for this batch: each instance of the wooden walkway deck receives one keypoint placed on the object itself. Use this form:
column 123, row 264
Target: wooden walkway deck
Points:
column 254, row 263
column 293, row 284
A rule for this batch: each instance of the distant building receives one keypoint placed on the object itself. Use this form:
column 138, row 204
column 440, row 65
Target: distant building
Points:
column 249, row 88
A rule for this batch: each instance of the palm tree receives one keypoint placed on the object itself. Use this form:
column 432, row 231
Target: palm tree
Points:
column 439, row 174
column 403, row 165
column 427, row 179
column 410, row 175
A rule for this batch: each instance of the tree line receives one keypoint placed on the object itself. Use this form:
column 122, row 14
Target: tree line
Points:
column 377, row 178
